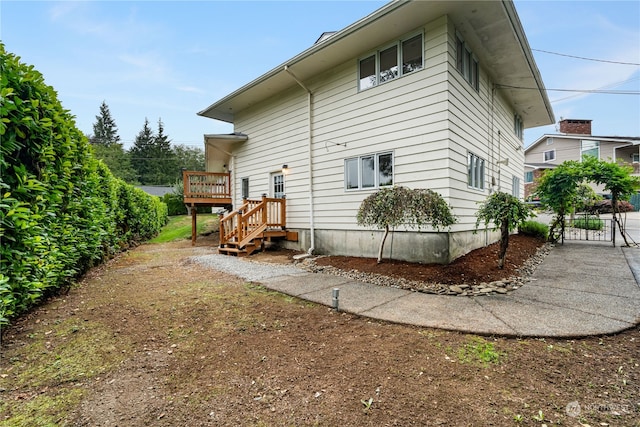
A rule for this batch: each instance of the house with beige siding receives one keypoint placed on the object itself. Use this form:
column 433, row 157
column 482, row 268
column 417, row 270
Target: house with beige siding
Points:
column 420, row 94
column 575, row 140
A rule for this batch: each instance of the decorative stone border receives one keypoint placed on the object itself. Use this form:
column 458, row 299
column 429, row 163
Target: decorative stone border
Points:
column 485, row 288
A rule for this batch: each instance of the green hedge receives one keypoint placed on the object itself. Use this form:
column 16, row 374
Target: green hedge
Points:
column 534, row 228
column 61, row 210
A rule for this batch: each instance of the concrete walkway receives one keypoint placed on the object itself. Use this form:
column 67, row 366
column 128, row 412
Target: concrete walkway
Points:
column 580, row 289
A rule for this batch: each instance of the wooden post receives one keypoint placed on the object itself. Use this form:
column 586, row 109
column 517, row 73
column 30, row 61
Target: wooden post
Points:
column 194, row 225
column 264, row 209
column 283, row 213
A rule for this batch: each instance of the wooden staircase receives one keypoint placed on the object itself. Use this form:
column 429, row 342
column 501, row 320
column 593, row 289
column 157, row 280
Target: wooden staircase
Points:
column 245, row 230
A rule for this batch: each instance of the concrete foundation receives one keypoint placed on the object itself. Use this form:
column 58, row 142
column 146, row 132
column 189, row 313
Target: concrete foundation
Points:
column 424, row 247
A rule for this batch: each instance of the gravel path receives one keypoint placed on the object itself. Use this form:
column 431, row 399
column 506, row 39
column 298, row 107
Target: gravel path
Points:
column 248, row 270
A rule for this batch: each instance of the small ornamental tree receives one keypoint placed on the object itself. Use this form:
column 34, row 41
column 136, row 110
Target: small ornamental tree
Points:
column 558, row 190
column 506, row 212
column 617, row 179
column 394, row 206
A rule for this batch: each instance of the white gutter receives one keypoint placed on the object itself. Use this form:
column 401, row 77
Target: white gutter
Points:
column 310, row 154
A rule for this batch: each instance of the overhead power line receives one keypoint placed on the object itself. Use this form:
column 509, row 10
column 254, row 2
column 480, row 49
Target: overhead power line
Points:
column 586, row 59
column 600, row 91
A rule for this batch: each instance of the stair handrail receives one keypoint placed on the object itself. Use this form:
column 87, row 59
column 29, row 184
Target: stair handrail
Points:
column 252, row 218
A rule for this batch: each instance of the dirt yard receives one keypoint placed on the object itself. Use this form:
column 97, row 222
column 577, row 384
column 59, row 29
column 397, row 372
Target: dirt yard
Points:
column 152, row 339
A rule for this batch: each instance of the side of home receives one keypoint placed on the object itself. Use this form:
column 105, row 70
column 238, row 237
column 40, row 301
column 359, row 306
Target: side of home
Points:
column 419, row 94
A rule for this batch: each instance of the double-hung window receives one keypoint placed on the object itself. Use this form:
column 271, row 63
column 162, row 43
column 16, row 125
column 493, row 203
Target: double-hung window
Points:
column 368, row 171
column 467, row 63
column 518, row 126
column 549, row 156
column 515, row 186
column 475, row 171
column 399, row 59
column 528, row 177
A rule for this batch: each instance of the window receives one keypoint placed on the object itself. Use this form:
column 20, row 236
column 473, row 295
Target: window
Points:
column 245, row 188
column 383, row 66
column 467, row 63
column 528, row 177
column 549, row 156
column 388, row 64
column 277, row 187
column 635, row 158
column 518, row 127
column 475, row 171
column 590, row 148
column 369, row 171
column 515, row 187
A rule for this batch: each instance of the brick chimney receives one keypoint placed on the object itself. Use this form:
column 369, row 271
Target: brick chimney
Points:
column 576, row 127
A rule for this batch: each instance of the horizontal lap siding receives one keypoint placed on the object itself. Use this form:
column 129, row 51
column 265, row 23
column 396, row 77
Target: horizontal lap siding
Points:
column 277, row 131
column 406, row 116
column 475, row 120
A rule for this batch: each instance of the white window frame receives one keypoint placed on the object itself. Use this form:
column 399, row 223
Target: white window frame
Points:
column 515, row 186
column 467, row 63
column 551, row 159
column 399, row 61
column 518, row 126
column 360, row 172
column 582, row 149
column 475, row 171
column 635, row 157
column 526, row 175
column 244, row 187
column 273, row 187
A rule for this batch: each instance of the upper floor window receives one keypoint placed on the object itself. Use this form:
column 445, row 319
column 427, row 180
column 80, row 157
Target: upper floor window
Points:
column 518, row 127
column 467, row 63
column 590, row 148
column 369, row 171
column 549, row 156
column 399, row 59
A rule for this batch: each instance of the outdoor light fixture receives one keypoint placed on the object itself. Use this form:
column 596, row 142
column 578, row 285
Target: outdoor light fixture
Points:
column 285, row 169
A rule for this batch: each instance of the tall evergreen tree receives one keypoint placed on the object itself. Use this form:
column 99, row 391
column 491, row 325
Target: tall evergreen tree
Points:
column 142, row 153
column 107, row 147
column 105, row 131
column 164, row 167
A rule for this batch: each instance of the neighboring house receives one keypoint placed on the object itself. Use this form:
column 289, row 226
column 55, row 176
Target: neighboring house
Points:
column 156, row 190
column 420, row 94
column 574, row 141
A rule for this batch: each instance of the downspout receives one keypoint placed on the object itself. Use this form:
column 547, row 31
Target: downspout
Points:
column 310, row 154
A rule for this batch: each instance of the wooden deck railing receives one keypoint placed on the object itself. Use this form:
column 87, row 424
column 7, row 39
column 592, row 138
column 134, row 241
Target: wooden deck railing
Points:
column 252, row 219
column 210, row 188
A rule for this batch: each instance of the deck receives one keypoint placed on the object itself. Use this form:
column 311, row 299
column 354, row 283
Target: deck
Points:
column 207, row 189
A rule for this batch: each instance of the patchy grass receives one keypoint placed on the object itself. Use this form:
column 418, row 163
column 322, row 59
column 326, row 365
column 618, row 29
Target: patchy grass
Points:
column 479, row 351
column 61, row 356
column 179, row 227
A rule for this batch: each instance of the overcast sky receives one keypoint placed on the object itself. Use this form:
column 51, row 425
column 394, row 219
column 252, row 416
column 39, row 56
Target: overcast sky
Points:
column 171, row 59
